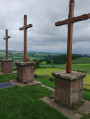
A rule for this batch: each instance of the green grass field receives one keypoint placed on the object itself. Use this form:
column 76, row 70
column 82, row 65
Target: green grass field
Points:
column 42, row 71
column 7, row 77
column 48, row 71
column 25, row 103
column 81, row 60
column 75, row 67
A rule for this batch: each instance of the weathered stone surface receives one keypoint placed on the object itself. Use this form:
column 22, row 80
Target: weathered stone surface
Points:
column 7, row 66
column 84, row 108
column 69, row 76
column 25, row 71
column 25, row 63
column 5, row 60
column 68, row 87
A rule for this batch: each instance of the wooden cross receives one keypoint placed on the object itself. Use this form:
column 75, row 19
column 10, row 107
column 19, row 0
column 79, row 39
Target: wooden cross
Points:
column 71, row 19
column 25, row 27
column 6, row 38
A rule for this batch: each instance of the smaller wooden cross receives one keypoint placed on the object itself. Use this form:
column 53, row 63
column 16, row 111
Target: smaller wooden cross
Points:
column 6, row 38
column 71, row 19
column 25, row 27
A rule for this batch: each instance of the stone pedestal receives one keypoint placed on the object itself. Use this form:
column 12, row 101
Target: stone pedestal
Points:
column 68, row 87
column 6, row 65
column 25, row 71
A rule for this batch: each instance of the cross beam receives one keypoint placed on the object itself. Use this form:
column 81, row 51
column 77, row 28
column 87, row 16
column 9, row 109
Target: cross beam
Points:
column 71, row 19
column 6, row 38
column 25, row 27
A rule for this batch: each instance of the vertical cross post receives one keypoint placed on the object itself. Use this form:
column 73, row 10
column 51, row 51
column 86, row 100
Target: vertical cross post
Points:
column 6, row 45
column 70, row 36
column 69, row 77
column 25, row 39
column 71, row 19
column 25, row 27
column 6, row 38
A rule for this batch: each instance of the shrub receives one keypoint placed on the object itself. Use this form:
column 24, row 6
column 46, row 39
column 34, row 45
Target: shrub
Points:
column 51, row 78
column 35, row 76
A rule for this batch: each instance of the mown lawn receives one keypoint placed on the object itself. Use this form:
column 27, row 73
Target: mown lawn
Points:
column 24, row 103
column 7, row 77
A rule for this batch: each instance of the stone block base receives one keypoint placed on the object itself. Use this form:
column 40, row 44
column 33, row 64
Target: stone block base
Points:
column 7, row 66
column 68, row 87
column 25, row 71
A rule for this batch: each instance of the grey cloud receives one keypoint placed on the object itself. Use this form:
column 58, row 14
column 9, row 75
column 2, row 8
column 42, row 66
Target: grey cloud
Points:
column 44, row 36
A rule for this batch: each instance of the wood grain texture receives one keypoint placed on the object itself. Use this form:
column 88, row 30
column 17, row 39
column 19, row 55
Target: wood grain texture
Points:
column 6, row 38
column 25, row 27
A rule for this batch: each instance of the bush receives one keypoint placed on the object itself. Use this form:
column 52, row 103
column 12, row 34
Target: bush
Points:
column 61, row 59
column 51, row 78
column 35, row 76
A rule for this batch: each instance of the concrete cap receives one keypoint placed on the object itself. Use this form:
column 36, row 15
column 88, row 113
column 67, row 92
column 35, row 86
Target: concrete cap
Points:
column 69, row 76
column 5, row 60
column 25, row 63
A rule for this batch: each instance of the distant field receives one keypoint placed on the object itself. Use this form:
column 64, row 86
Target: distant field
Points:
column 75, row 67
column 87, row 81
column 48, row 71
column 81, row 60
column 19, row 55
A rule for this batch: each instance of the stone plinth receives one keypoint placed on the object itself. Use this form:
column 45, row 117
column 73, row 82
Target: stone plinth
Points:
column 6, row 65
column 25, row 71
column 68, row 87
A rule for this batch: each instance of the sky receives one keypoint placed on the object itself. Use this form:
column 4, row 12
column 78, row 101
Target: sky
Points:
column 44, row 36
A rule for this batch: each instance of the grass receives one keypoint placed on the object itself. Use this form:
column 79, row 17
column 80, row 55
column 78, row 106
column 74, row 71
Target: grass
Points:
column 7, row 77
column 75, row 67
column 46, row 71
column 45, row 81
column 86, row 116
column 25, row 103
column 81, row 60
column 86, row 95
column 87, row 81
column 42, row 71
column 79, row 67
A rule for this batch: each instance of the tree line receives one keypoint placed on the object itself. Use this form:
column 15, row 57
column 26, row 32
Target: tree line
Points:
column 59, row 59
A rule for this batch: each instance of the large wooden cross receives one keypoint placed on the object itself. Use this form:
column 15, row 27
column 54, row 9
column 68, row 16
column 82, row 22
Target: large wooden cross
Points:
column 25, row 27
column 71, row 19
column 6, row 38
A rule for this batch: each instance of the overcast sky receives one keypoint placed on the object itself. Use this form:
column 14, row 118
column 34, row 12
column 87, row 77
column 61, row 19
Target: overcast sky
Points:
column 44, row 36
